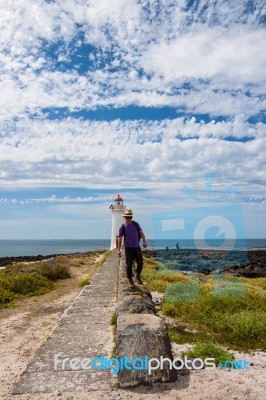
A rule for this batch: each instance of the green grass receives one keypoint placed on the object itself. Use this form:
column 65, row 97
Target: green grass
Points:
column 6, row 297
column 158, row 277
column 53, row 269
column 114, row 318
column 209, row 350
column 184, row 335
column 19, row 285
column 226, row 310
column 25, row 283
column 23, row 280
column 85, row 281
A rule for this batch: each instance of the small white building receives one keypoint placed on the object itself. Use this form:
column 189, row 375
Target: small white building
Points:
column 117, row 219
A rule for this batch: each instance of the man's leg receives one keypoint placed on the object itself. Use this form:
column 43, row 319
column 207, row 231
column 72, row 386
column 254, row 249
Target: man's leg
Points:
column 129, row 262
column 139, row 260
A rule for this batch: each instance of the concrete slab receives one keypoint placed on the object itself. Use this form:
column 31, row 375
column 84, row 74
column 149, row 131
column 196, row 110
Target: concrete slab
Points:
column 84, row 332
column 65, row 361
column 64, row 381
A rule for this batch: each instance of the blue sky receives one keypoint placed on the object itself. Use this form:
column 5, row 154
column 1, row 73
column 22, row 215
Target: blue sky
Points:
column 133, row 97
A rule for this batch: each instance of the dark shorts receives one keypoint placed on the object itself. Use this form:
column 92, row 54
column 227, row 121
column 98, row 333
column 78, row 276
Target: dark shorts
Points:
column 133, row 254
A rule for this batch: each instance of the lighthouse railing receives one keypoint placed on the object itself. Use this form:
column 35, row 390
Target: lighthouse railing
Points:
column 118, row 208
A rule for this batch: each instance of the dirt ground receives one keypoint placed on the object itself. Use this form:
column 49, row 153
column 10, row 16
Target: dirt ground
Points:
column 26, row 327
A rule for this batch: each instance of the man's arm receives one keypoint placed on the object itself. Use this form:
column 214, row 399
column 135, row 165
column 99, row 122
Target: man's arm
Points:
column 143, row 238
column 119, row 245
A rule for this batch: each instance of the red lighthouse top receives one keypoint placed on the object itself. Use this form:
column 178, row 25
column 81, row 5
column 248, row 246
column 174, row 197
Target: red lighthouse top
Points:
column 118, row 207
column 118, row 198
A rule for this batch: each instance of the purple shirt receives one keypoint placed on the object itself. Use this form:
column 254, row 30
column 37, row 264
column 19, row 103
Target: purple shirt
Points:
column 132, row 236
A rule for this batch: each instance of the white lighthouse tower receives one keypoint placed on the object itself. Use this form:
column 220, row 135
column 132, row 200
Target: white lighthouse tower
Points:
column 117, row 219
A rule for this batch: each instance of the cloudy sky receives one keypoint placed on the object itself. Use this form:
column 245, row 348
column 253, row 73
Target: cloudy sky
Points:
column 162, row 101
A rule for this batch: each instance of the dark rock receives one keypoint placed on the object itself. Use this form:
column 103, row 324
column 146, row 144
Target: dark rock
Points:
column 140, row 336
column 23, row 259
column 206, row 271
column 140, row 333
column 253, row 274
column 134, row 301
column 242, row 263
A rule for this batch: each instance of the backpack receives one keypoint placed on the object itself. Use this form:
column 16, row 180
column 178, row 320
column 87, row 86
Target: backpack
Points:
column 124, row 230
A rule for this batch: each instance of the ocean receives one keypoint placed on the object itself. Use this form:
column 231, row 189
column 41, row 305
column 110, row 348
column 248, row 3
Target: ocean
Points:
column 15, row 248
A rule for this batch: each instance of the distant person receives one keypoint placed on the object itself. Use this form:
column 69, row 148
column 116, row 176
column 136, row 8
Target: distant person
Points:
column 132, row 233
column 177, row 246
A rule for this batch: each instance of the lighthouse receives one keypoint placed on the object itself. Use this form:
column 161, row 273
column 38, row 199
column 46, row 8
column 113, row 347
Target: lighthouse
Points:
column 117, row 219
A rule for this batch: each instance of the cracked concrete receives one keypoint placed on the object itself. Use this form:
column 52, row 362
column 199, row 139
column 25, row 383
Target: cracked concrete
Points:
column 84, row 331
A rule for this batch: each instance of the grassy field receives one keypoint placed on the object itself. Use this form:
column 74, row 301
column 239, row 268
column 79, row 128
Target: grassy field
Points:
column 21, row 280
column 212, row 312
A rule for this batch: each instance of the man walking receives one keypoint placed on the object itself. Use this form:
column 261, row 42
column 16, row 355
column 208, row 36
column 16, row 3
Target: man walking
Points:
column 132, row 233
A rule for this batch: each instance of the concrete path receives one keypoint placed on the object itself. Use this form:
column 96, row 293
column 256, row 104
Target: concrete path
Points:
column 84, row 331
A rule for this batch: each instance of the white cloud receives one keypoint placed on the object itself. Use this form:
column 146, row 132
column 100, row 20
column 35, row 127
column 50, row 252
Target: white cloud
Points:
column 208, row 58
column 208, row 52
column 217, row 48
column 131, row 153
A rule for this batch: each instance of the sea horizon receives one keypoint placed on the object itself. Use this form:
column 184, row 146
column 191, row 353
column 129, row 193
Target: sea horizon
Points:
column 34, row 247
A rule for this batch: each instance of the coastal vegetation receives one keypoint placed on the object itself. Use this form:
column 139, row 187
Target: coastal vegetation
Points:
column 213, row 310
column 29, row 279
column 20, row 280
column 85, row 281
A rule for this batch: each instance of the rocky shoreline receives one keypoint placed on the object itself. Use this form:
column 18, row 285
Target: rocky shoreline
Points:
column 27, row 259
column 249, row 264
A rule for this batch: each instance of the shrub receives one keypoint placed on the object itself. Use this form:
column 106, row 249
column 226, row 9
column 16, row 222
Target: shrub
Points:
column 235, row 321
column 172, row 265
column 6, row 296
column 225, row 309
column 26, row 284
column 14, row 268
column 55, row 269
column 158, row 277
column 114, row 319
column 85, row 281
column 209, row 350
column 150, row 262
column 182, row 292
column 244, row 327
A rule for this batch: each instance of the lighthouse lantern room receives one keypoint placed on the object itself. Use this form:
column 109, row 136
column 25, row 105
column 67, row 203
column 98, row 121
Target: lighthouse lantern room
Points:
column 117, row 219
